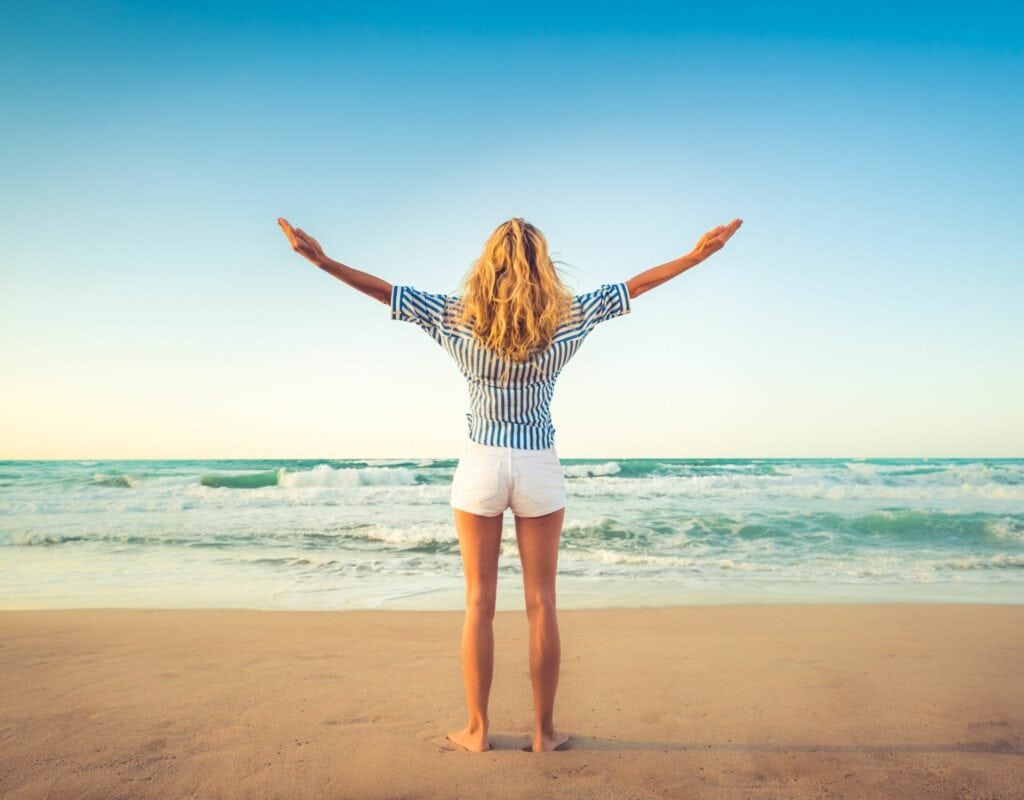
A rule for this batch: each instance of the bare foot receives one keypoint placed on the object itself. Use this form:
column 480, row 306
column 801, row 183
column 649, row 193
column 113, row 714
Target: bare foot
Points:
column 476, row 741
column 560, row 741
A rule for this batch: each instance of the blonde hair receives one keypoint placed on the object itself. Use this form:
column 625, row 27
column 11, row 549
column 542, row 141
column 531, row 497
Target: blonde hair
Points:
column 513, row 298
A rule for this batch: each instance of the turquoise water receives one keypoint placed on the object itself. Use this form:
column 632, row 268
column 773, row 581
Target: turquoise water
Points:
column 324, row 534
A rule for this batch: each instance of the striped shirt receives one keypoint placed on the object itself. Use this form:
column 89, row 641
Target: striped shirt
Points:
column 509, row 401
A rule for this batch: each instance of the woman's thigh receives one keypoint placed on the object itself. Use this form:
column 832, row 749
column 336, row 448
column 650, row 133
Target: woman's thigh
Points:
column 480, row 546
column 538, row 539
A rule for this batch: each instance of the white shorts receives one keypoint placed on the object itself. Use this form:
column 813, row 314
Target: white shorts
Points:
column 490, row 479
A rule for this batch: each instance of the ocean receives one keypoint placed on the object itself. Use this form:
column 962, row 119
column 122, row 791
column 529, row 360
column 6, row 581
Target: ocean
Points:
column 378, row 533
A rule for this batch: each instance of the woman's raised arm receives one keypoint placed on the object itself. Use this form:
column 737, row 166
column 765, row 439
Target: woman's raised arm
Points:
column 308, row 247
column 710, row 242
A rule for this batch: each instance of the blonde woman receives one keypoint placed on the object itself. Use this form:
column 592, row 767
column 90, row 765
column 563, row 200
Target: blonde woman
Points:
column 511, row 329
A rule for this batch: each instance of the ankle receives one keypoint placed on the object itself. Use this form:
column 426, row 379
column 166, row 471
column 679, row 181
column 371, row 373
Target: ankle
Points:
column 544, row 731
column 477, row 725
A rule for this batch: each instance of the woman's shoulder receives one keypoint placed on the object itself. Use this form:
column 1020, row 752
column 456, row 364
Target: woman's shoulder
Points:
column 605, row 302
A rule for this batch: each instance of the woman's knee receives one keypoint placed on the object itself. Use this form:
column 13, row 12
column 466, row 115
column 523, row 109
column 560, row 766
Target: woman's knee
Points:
column 481, row 603
column 540, row 600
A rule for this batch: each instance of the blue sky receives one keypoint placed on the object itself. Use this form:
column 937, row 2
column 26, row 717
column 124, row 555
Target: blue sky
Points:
column 869, row 306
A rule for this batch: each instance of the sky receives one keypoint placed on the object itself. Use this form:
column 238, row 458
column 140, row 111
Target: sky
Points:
column 870, row 305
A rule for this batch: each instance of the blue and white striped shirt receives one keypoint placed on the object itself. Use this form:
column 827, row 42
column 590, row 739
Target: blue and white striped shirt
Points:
column 509, row 401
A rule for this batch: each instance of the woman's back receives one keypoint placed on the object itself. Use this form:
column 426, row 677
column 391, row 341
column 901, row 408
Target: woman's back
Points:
column 509, row 401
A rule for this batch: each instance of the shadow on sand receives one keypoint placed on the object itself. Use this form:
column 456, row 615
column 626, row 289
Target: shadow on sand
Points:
column 596, row 744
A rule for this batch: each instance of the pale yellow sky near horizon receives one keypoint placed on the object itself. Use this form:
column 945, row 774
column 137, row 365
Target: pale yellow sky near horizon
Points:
column 406, row 399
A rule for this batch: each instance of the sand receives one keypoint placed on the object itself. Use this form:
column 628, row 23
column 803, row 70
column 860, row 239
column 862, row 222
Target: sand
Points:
column 746, row 701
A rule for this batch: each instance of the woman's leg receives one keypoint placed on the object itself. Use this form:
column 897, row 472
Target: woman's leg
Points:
column 538, row 539
column 480, row 545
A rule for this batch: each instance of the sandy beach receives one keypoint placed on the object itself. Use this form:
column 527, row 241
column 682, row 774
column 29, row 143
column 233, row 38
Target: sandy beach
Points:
column 773, row 701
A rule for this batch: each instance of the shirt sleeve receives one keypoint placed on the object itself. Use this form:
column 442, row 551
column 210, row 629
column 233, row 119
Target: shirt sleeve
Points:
column 609, row 301
column 425, row 309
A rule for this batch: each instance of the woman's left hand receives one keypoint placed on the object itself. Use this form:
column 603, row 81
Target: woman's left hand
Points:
column 715, row 239
column 302, row 243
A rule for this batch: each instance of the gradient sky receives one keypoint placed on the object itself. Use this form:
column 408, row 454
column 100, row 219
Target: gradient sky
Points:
column 871, row 304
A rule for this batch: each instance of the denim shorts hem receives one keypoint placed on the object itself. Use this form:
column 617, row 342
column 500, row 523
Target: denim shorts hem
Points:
column 477, row 511
column 486, row 513
column 542, row 513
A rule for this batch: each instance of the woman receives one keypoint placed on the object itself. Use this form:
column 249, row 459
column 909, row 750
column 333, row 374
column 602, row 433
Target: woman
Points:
column 511, row 329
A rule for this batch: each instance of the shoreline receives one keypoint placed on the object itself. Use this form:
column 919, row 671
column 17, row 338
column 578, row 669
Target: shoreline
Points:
column 573, row 594
column 712, row 701
column 737, row 604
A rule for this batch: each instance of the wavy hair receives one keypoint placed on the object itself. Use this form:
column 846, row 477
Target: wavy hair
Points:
column 513, row 298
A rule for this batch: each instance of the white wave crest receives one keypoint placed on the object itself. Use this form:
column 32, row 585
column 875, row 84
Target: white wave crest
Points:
column 409, row 535
column 1005, row 528
column 591, row 470
column 115, row 480
column 995, row 561
column 604, row 556
column 325, row 475
column 22, row 538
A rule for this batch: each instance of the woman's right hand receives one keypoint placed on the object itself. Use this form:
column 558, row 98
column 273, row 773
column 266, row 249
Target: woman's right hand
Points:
column 303, row 244
column 715, row 239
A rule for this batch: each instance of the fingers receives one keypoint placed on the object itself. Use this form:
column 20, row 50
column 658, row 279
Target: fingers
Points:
column 288, row 230
column 299, row 239
column 296, row 237
column 714, row 240
column 722, row 233
column 731, row 228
